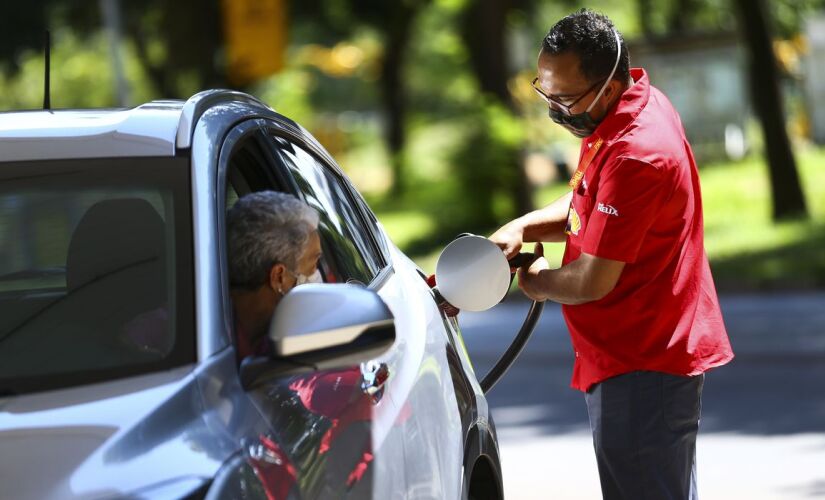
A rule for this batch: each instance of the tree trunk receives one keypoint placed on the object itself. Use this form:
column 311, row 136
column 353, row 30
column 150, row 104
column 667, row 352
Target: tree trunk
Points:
column 682, row 15
column 393, row 90
column 645, row 20
column 484, row 30
column 788, row 199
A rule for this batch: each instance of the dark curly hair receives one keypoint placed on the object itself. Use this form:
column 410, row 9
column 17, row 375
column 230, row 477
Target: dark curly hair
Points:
column 589, row 35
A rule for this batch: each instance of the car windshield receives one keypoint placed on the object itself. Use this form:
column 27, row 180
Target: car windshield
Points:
column 95, row 271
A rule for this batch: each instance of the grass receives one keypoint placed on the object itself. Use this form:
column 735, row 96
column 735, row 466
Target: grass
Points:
column 748, row 251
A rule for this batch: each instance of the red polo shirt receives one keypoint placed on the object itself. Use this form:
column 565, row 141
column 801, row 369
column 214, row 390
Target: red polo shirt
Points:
column 640, row 203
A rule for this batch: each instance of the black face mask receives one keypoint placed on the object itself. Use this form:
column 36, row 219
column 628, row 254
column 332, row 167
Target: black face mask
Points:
column 581, row 124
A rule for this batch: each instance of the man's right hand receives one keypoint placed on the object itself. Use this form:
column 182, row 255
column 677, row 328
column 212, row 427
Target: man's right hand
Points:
column 509, row 238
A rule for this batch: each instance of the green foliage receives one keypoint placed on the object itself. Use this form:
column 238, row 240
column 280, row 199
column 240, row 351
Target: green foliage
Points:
column 463, row 151
column 789, row 15
column 22, row 28
column 485, row 166
column 747, row 250
column 289, row 93
column 81, row 76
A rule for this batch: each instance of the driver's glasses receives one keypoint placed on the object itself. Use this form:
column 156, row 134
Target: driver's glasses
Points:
column 558, row 105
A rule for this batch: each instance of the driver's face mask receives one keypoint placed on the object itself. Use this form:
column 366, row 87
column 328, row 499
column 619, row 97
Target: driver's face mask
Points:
column 302, row 279
column 582, row 124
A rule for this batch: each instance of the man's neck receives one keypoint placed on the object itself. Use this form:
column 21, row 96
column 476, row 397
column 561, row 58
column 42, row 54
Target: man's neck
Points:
column 252, row 313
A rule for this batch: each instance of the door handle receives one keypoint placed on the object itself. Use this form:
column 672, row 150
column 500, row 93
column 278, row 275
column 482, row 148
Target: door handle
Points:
column 373, row 377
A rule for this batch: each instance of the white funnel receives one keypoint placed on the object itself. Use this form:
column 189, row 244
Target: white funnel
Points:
column 472, row 273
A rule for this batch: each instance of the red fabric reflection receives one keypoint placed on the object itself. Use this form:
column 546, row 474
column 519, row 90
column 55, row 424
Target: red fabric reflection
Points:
column 337, row 395
column 273, row 468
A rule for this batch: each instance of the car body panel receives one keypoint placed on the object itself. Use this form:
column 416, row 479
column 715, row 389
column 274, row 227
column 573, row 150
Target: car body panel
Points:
column 105, row 439
column 432, row 428
column 147, row 130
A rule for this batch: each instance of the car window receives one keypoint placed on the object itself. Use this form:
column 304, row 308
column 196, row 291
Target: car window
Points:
column 346, row 239
column 95, row 270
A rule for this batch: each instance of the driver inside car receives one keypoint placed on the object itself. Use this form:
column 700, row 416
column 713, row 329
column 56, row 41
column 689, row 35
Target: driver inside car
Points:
column 273, row 246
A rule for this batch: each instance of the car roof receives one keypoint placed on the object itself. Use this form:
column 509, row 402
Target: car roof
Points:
column 158, row 128
column 147, row 130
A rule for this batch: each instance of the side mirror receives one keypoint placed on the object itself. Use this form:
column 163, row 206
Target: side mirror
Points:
column 323, row 326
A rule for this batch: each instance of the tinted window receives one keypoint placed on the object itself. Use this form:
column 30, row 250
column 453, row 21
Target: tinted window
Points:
column 347, row 244
column 95, row 270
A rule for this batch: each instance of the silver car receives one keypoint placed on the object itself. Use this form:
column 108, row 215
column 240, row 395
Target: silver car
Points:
column 118, row 370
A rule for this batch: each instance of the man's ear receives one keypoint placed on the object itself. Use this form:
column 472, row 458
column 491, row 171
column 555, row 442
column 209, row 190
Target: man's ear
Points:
column 277, row 278
column 613, row 89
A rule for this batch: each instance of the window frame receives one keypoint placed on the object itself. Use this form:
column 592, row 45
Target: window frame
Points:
column 243, row 131
column 282, row 180
column 371, row 233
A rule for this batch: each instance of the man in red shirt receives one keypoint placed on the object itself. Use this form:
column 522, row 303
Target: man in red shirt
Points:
column 635, row 283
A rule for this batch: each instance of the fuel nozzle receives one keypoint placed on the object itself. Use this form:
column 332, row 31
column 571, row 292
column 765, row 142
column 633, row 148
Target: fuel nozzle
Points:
column 521, row 260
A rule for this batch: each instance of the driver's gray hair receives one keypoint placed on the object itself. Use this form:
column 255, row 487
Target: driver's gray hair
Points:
column 264, row 229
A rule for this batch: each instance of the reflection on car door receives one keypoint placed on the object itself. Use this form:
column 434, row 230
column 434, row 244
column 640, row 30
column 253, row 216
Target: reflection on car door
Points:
column 318, row 439
column 416, row 423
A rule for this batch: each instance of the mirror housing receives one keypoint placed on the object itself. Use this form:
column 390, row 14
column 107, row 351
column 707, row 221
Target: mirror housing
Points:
column 323, row 326
column 322, row 316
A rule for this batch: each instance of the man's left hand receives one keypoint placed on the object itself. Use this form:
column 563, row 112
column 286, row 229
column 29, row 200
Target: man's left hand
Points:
column 530, row 279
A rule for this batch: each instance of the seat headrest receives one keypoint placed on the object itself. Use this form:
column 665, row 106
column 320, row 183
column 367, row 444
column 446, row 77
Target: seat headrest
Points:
column 113, row 235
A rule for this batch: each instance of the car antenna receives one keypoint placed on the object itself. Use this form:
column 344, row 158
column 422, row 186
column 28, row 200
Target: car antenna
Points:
column 47, row 104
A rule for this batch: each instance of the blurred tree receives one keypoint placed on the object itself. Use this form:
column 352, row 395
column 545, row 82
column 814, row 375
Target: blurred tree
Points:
column 755, row 18
column 662, row 18
column 487, row 164
column 397, row 30
column 178, row 43
column 788, row 199
column 484, row 29
column 393, row 21
column 645, row 9
column 682, row 14
column 82, row 76
column 22, row 25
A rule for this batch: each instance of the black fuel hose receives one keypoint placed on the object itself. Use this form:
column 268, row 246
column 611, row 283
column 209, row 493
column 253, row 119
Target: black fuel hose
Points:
column 509, row 357
column 520, row 340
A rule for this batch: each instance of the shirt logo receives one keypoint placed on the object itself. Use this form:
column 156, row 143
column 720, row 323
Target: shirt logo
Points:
column 574, row 223
column 607, row 209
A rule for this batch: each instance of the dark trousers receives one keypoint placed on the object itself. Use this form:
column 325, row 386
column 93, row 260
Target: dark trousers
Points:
column 644, row 431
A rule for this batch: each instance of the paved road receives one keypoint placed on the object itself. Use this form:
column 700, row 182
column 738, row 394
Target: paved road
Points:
column 763, row 421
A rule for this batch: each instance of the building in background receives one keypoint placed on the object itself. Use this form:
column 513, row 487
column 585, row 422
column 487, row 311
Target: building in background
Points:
column 814, row 80
column 706, row 80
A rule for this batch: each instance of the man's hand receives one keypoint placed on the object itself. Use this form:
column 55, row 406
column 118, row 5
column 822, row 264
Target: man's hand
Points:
column 530, row 279
column 509, row 238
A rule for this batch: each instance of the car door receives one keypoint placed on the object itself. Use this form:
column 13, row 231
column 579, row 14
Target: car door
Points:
column 416, row 426
column 319, row 443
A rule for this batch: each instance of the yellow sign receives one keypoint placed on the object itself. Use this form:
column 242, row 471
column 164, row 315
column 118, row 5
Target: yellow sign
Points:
column 255, row 36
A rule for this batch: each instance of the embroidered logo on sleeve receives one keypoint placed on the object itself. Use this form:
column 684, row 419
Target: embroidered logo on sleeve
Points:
column 607, row 209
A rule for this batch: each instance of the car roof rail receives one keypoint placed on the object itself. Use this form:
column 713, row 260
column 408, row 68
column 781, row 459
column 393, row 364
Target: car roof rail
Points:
column 199, row 103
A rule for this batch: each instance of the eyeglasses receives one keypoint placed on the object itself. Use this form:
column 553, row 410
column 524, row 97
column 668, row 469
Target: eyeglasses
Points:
column 556, row 104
